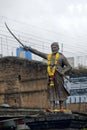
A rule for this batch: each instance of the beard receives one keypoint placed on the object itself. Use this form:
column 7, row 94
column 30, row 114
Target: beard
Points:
column 54, row 49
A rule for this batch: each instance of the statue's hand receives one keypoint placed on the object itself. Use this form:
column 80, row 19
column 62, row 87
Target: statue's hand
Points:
column 26, row 48
column 62, row 73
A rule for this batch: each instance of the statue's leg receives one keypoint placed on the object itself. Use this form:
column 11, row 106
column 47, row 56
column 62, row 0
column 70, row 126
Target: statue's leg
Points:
column 61, row 104
column 52, row 105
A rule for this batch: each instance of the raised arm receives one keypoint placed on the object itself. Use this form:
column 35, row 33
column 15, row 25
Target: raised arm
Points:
column 36, row 52
column 43, row 55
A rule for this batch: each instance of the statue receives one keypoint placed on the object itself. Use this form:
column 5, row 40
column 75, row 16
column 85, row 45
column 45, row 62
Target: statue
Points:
column 57, row 67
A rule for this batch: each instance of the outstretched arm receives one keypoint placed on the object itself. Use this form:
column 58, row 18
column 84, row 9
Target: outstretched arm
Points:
column 41, row 54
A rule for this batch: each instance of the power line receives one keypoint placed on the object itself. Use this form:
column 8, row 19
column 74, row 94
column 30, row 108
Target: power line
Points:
column 34, row 39
column 11, row 39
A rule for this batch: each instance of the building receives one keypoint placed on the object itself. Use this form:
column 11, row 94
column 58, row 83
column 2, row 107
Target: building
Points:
column 20, row 52
column 78, row 91
column 71, row 61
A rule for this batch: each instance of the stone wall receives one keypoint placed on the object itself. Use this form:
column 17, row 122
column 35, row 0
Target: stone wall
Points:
column 23, row 83
column 78, row 107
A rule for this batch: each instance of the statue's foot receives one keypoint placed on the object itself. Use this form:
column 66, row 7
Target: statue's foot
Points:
column 65, row 110
column 58, row 110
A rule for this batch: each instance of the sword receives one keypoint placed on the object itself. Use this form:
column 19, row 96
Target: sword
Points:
column 14, row 35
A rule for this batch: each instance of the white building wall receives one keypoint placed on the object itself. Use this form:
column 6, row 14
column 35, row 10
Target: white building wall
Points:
column 78, row 89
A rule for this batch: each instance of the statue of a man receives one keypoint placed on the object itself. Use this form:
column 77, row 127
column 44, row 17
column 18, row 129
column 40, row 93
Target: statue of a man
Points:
column 57, row 67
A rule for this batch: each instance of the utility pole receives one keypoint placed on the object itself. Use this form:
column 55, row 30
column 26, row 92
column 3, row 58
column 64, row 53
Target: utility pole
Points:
column 7, row 46
column 61, row 47
column 1, row 47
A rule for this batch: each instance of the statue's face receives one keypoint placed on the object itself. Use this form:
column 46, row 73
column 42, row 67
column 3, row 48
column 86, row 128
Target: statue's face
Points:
column 54, row 48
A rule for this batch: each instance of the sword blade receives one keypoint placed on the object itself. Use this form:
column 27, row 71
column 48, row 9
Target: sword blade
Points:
column 13, row 34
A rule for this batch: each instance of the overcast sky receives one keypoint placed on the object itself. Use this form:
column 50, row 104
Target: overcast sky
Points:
column 64, row 21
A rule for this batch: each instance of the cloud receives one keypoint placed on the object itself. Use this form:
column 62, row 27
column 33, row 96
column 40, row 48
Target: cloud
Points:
column 62, row 18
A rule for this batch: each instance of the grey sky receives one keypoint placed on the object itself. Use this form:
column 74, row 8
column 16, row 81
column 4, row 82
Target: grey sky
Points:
column 64, row 21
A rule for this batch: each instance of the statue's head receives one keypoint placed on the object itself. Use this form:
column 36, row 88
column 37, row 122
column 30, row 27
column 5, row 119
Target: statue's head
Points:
column 55, row 47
